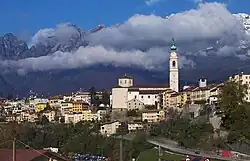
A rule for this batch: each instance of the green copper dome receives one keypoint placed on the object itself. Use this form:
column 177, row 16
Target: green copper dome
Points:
column 173, row 47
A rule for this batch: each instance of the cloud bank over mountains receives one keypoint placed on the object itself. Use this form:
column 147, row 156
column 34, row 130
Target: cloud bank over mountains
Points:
column 144, row 40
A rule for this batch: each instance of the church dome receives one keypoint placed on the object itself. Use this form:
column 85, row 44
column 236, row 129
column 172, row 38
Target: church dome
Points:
column 173, row 47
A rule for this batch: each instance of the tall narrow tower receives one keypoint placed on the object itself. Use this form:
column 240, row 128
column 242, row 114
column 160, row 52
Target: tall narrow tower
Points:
column 173, row 69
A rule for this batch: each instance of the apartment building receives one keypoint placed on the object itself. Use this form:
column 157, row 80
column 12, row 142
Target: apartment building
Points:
column 79, row 106
column 134, row 126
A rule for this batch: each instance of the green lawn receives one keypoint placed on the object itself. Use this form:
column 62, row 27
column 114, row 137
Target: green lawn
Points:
column 152, row 155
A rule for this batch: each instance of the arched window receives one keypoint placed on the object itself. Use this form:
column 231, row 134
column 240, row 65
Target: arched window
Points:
column 173, row 64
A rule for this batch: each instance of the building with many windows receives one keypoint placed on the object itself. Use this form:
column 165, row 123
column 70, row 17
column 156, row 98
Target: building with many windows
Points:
column 153, row 116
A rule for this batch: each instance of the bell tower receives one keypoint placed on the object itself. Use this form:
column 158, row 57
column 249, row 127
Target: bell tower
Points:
column 173, row 69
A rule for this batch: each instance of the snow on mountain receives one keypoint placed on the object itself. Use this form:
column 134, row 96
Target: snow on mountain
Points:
column 245, row 19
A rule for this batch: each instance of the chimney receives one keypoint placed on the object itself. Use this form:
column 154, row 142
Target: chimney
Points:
column 202, row 82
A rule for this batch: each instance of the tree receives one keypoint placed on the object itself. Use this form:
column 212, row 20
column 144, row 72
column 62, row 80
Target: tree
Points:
column 96, row 101
column 236, row 112
column 231, row 96
column 231, row 99
column 105, row 98
column 44, row 120
column 132, row 113
column 92, row 92
column 62, row 120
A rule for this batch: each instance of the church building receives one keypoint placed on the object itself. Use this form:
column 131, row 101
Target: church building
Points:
column 127, row 95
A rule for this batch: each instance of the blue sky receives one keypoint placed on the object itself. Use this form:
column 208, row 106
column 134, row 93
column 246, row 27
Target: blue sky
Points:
column 29, row 16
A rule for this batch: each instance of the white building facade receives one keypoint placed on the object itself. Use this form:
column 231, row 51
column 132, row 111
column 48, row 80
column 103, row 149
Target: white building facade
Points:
column 125, row 92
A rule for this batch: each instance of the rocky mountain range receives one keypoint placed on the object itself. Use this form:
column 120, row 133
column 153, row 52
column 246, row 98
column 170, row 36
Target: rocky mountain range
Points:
column 53, row 81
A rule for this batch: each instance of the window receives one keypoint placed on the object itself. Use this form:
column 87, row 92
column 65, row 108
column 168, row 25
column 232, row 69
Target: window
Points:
column 125, row 81
column 141, row 96
column 135, row 97
column 148, row 96
column 173, row 64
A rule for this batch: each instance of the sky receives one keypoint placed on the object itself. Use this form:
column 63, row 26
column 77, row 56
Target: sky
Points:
column 203, row 30
column 23, row 17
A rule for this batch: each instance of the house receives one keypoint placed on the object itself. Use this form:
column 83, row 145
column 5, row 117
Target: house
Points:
column 73, row 118
column 135, row 104
column 134, row 126
column 30, row 155
column 29, row 116
column 153, row 116
column 55, row 101
column 34, row 101
column 66, row 107
column 82, row 96
column 40, row 107
column 50, row 115
column 192, row 110
column 109, row 128
column 88, row 116
column 203, row 93
column 172, row 99
column 79, row 106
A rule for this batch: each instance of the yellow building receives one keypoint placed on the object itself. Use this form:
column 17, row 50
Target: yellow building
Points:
column 40, row 107
column 153, row 116
column 79, row 106
column 172, row 99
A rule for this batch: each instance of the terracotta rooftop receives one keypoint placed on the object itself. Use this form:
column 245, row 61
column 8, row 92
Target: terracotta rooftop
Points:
column 150, row 86
column 208, row 87
column 150, row 91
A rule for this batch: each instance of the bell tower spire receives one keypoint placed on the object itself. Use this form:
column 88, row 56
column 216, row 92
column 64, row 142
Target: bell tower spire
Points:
column 173, row 68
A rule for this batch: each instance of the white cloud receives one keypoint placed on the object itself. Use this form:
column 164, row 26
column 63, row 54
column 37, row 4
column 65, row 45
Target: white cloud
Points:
column 144, row 40
column 61, row 33
column 152, row 2
column 209, row 21
column 84, row 57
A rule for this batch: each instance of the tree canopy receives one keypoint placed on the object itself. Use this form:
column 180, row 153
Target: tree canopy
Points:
column 236, row 111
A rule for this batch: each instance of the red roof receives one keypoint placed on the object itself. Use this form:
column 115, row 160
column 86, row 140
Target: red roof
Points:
column 21, row 154
column 24, row 154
